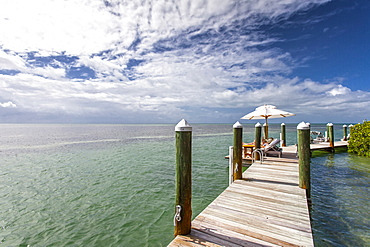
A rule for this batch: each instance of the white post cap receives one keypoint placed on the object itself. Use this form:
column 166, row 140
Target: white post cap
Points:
column 344, row 126
column 330, row 124
column 282, row 124
column 237, row 125
column 183, row 126
column 303, row 126
column 258, row 125
column 351, row 125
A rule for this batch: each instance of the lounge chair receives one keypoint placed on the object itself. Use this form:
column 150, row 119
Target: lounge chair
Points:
column 270, row 149
column 316, row 137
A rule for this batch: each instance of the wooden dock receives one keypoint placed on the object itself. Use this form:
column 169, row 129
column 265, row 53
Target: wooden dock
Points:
column 317, row 146
column 323, row 146
column 265, row 208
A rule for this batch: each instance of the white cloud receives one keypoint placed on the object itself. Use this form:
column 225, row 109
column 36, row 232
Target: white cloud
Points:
column 8, row 104
column 85, row 26
column 339, row 90
column 77, row 27
column 49, row 72
column 104, row 68
column 193, row 54
column 11, row 61
column 165, row 99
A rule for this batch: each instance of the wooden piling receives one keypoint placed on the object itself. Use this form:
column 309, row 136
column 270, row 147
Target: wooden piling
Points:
column 237, row 153
column 344, row 132
column 304, row 156
column 283, row 135
column 231, row 165
column 257, row 140
column 350, row 129
column 330, row 127
column 266, row 131
column 183, row 211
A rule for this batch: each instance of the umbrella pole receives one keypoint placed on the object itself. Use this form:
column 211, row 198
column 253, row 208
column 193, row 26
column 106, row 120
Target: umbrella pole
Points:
column 266, row 129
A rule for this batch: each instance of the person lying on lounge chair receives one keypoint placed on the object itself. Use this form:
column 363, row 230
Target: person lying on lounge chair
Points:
column 264, row 142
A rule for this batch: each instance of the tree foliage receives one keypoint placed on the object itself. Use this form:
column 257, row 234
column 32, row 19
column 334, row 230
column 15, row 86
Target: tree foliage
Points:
column 359, row 141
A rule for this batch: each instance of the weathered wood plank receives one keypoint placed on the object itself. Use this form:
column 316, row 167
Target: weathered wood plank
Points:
column 236, row 236
column 271, row 192
column 265, row 208
column 190, row 240
column 261, row 223
column 227, row 238
column 287, row 203
column 258, row 220
column 282, row 188
column 235, row 229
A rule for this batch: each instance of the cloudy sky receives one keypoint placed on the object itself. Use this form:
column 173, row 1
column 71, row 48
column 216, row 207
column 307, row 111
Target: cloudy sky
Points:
column 158, row 61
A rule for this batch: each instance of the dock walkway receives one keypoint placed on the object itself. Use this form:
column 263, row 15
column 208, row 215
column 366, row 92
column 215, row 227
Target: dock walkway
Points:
column 316, row 146
column 265, row 208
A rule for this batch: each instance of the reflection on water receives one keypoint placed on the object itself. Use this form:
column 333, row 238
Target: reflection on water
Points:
column 341, row 200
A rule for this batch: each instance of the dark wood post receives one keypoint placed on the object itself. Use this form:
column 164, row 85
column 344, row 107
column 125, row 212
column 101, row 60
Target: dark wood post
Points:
column 283, row 135
column 344, row 133
column 183, row 211
column 237, row 153
column 304, row 156
column 257, row 140
column 331, row 135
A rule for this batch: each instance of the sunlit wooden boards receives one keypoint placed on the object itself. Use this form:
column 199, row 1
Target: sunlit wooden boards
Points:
column 265, row 208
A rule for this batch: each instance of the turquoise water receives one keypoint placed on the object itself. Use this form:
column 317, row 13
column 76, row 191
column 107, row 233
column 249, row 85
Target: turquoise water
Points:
column 341, row 200
column 113, row 185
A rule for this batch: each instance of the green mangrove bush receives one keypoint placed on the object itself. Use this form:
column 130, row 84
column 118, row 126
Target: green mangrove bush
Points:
column 359, row 141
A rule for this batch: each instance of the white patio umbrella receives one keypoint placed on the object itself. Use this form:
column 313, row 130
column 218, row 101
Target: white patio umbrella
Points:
column 265, row 112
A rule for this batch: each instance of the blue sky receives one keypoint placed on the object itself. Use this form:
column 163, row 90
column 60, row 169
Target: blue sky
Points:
column 208, row 61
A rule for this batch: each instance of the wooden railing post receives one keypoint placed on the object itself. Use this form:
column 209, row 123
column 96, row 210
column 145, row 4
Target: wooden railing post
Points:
column 331, row 135
column 283, row 135
column 237, row 153
column 257, row 140
column 183, row 211
column 344, row 133
column 231, row 164
column 304, row 156
column 350, row 128
column 266, row 130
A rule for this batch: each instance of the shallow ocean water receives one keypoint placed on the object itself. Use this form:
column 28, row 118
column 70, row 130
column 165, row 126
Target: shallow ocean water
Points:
column 113, row 185
column 341, row 200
